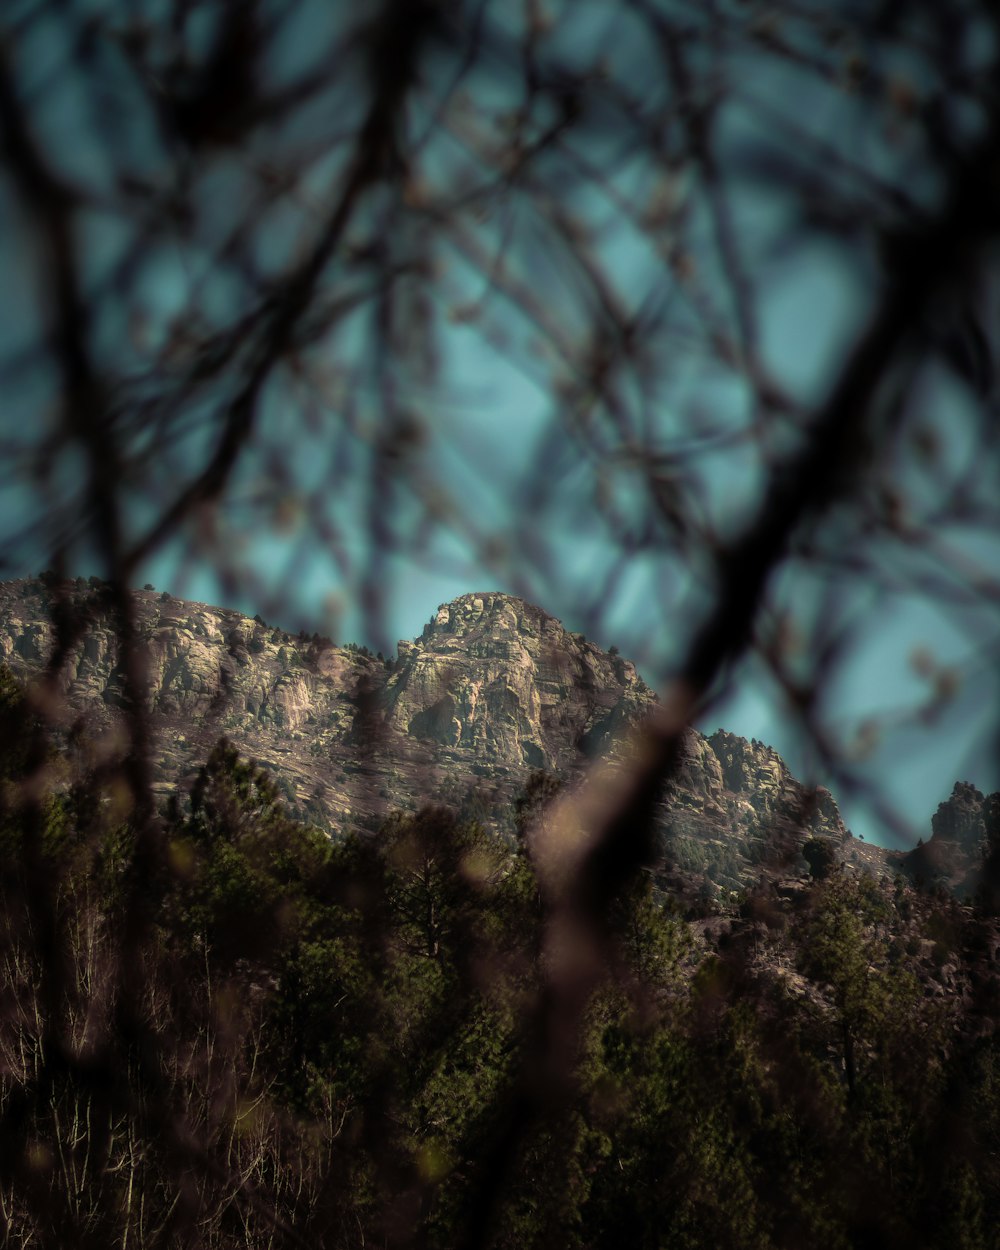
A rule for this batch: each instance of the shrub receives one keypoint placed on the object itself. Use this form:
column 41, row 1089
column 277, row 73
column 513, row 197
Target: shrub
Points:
column 819, row 855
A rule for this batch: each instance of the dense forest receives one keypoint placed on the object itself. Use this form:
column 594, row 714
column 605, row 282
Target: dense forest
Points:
column 681, row 317
column 282, row 1039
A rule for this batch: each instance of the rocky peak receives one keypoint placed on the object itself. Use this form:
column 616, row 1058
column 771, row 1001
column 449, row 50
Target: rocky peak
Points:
column 961, row 817
column 487, row 612
column 492, row 689
column 499, row 677
column 749, row 767
column 966, row 828
column 758, row 774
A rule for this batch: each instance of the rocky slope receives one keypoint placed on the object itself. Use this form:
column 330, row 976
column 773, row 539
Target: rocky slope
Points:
column 493, row 689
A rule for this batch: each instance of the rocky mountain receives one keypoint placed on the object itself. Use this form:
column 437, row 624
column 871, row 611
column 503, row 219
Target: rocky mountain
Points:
column 964, row 846
column 493, row 690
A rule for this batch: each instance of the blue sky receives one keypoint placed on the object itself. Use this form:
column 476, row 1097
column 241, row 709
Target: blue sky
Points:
column 500, row 470
column 487, row 442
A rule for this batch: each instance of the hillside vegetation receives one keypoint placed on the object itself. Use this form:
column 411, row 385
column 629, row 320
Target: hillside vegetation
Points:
column 279, row 1039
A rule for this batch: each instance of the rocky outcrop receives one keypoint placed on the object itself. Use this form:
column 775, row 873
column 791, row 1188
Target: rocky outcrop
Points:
column 496, row 676
column 733, row 807
column 965, row 834
column 492, row 690
column 962, row 818
column 762, row 787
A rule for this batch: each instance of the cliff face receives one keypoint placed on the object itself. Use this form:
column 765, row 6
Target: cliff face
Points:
column 493, row 689
column 967, row 819
column 965, row 842
column 496, row 677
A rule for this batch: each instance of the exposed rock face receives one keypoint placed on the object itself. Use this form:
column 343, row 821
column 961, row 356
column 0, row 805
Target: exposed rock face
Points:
column 966, row 829
column 962, row 817
column 734, row 806
column 762, row 787
column 500, row 678
column 493, row 689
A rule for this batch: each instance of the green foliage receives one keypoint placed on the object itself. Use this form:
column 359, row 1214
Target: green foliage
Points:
column 539, row 791
column 345, row 1025
column 15, row 729
column 652, row 939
